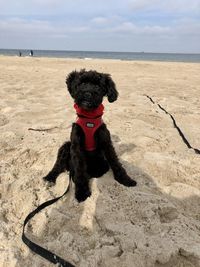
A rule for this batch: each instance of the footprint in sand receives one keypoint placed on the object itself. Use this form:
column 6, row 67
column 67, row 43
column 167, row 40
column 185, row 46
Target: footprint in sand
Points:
column 3, row 120
column 167, row 213
column 128, row 126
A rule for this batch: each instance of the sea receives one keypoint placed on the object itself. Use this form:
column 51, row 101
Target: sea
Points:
column 143, row 56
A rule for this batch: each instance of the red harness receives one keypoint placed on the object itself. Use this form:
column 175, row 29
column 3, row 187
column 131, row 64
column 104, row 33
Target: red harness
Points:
column 89, row 121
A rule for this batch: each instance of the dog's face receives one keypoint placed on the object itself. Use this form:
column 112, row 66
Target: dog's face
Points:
column 89, row 87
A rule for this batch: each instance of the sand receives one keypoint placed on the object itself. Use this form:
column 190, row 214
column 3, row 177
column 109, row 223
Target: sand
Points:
column 156, row 223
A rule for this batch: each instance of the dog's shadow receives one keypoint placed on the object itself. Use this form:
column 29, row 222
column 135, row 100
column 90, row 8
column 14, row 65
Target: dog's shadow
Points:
column 120, row 147
column 97, row 231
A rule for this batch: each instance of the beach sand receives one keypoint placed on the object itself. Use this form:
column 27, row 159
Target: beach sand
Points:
column 156, row 223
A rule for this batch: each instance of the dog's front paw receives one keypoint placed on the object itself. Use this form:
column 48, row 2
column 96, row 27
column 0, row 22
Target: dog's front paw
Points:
column 50, row 178
column 82, row 193
column 126, row 180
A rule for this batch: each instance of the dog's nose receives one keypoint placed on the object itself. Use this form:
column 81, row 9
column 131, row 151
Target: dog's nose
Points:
column 87, row 95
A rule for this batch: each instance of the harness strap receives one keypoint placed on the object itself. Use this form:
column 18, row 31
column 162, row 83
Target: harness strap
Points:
column 48, row 255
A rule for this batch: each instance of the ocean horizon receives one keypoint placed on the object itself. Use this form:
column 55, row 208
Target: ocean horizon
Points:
column 143, row 56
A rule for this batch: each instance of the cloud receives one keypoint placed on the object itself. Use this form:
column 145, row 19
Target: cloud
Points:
column 105, row 21
column 57, row 7
column 178, row 6
column 128, row 27
column 19, row 26
column 143, row 4
column 188, row 27
column 100, row 20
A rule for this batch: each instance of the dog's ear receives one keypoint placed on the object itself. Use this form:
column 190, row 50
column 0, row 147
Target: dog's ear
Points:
column 72, row 79
column 110, row 87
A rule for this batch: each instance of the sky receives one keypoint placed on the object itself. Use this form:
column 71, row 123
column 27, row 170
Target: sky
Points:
column 171, row 26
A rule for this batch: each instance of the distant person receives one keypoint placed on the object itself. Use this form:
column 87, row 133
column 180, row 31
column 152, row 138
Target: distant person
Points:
column 20, row 53
column 31, row 53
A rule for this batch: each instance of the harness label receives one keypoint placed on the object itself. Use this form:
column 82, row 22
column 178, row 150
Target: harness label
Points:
column 90, row 125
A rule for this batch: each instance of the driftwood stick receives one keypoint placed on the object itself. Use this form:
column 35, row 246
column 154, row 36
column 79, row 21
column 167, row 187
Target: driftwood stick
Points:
column 42, row 130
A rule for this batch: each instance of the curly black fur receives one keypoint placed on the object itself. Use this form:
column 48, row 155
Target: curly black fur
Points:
column 88, row 89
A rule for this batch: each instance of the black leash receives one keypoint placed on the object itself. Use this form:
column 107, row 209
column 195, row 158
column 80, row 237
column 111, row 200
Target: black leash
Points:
column 48, row 255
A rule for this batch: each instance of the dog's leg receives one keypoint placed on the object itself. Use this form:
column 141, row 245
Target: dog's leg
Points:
column 80, row 175
column 104, row 141
column 61, row 164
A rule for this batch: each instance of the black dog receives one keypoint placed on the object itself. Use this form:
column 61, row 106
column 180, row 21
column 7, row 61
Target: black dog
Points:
column 88, row 89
